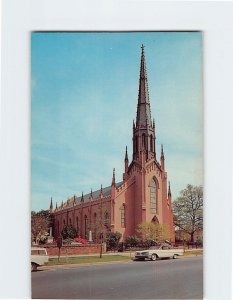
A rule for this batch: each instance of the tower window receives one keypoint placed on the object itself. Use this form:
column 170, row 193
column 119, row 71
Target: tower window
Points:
column 153, row 196
column 143, row 141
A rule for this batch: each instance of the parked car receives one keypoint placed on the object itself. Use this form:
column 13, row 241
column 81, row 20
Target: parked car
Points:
column 158, row 252
column 39, row 257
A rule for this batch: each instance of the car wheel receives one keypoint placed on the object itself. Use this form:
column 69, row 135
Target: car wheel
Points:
column 33, row 266
column 153, row 257
column 174, row 256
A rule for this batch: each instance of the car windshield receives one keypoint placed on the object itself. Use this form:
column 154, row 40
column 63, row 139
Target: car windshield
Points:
column 154, row 247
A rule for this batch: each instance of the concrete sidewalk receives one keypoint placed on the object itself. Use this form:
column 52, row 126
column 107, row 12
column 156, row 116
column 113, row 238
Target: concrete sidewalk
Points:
column 129, row 254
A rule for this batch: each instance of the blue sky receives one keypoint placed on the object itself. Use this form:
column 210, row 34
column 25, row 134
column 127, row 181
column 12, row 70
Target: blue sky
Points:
column 84, row 100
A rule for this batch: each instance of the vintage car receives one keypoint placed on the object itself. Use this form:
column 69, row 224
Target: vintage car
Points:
column 158, row 252
column 39, row 257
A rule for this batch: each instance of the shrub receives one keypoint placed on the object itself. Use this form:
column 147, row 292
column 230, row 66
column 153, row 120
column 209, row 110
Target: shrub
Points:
column 132, row 241
column 69, row 232
column 112, row 240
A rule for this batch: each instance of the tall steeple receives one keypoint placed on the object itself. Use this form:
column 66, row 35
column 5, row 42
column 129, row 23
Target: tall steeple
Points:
column 144, row 130
column 143, row 109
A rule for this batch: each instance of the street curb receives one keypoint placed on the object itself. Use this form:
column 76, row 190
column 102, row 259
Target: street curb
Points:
column 64, row 266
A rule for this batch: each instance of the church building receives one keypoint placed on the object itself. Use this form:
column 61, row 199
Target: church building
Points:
column 143, row 195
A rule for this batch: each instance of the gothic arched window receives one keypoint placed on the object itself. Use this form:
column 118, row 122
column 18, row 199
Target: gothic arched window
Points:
column 77, row 225
column 123, row 218
column 85, row 227
column 143, row 141
column 136, row 143
column 153, row 196
column 106, row 219
column 95, row 227
column 58, row 227
column 151, row 143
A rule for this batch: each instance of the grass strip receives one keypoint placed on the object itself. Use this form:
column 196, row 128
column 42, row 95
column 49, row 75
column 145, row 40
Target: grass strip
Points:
column 86, row 259
column 193, row 252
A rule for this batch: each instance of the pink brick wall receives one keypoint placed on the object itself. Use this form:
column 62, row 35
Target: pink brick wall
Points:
column 73, row 249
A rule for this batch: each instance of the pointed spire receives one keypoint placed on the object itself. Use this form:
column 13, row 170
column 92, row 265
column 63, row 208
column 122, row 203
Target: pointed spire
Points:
column 91, row 196
column 162, row 158
column 169, row 190
column 51, row 204
column 101, row 190
column 162, row 153
column 56, row 205
column 113, row 177
column 133, row 125
column 82, row 198
column 143, row 110
column 144, row 128
column 126, row 162
column 74, row 202
column 126, row 154
column 62, row 204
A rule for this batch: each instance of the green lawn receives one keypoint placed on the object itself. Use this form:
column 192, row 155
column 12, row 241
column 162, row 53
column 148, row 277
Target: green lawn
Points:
column 193, row 252
column 86, row 259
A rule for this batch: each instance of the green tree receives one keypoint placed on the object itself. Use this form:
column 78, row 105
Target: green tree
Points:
column 39, row 229
column 40, row 223
column 153, row 232
column 188, row 210
column 69, row 232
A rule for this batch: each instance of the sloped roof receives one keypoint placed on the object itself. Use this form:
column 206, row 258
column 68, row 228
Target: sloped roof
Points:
column 106, row 192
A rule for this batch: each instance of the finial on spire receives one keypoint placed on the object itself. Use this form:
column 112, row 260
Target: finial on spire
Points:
column 56, row 205
column 162, row 153
column 113, row 177
column 91, row 196
column 142, row 48
column 82, row 198
column 126, row 154
column 169, row 189
column 162, row 159
column 51, row 204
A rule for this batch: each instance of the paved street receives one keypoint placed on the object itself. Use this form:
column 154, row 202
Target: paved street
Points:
column 166, row 279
